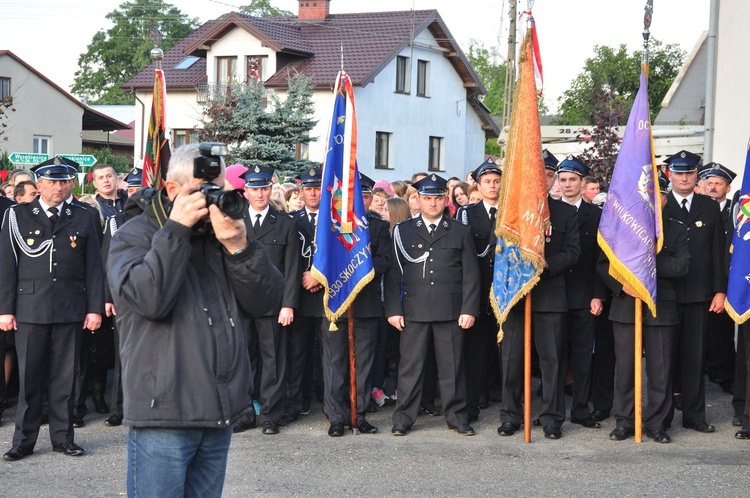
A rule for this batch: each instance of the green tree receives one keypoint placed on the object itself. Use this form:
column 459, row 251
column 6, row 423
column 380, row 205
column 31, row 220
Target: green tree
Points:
column 263, row 8
column 117, row 54
column 614, row 72
column 262, row 128
column 491, row 74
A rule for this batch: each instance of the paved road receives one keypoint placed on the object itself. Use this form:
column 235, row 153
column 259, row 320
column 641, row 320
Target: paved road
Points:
column 430, row 461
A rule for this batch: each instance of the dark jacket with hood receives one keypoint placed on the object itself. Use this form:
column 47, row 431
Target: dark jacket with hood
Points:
column 180, row 298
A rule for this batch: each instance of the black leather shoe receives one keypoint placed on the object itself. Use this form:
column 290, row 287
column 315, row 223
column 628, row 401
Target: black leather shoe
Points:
column 366, row 427
column 430, row 409
column 305, row 410
column 700, row 426
column 536, row 422
column 78, row 422
column 336, row 429
column 464, row 430
column 113, row 420
column 552, row 432
column 737, row 421
column 399, row 430
column 285, row 420
column 740, row 434
column 245, row 422
column 620, row 434
column 600, row 414
column 589, row 423
column 483, row 402
column 660, row 436
column 473, row 417
column 507, row 429
column 270, row 428
column 17, row 453
column 69, row 449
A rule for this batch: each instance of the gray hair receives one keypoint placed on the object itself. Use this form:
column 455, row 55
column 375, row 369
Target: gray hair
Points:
column 181, row 163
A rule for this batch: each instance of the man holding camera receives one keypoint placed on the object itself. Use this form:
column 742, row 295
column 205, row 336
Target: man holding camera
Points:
column 182, row 273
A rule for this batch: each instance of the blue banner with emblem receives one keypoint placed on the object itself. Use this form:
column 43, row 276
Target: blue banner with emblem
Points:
column 342, row 261
column 738, row 290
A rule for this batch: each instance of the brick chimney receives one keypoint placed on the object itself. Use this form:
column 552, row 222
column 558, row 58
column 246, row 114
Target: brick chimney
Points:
column 313, row 10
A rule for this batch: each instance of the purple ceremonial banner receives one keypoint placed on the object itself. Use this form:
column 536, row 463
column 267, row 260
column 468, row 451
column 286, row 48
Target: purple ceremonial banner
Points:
column 630, row 231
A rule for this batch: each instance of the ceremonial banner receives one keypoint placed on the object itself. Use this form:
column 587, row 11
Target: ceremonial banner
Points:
column 738, row 290
column 630, row 231
column 156, row 156
column 523, row 210
column 342, row 261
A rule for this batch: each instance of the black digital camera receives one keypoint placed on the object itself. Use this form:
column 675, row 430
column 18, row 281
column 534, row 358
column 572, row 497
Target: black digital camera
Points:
column 207, row 167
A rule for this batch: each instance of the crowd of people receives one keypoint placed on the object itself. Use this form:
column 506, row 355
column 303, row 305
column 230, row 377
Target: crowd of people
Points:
column 425, row 331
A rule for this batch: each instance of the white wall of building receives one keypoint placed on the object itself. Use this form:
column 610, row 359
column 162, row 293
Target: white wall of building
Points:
column 732, row 104
column 40, row 109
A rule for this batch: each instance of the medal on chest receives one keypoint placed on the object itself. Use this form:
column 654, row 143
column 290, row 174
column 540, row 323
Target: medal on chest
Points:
column 73, row 241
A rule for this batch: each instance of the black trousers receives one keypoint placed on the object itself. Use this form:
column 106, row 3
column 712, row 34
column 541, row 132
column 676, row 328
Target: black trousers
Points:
column 336, row 388
column 481, row 360
column 46, row 352
column 549, row 338
column 300, row 338
column 603, row 369
column 739, row 397
column 448, row 340
column 660, row 346
column 720, row 354
column 689, row 363
column 581, row 327
column 268, row 340
column 116, row 401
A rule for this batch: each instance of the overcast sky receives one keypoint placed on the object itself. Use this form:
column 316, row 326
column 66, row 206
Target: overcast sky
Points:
column 50, row 35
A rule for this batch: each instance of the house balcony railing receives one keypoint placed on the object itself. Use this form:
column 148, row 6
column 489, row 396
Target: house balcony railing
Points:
column 213, row 92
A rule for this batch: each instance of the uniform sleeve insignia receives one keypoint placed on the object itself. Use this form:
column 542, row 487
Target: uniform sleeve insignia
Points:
column 35, row 211
column 67, row 212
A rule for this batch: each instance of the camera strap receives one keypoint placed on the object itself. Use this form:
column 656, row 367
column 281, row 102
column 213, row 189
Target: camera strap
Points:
column 160, row 211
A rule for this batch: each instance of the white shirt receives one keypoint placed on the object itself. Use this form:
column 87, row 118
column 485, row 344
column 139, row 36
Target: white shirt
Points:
column 436, row 222
column 679, row 199
column 487, row 208
column 46, row 207
column 254, row 215
column 577, row 204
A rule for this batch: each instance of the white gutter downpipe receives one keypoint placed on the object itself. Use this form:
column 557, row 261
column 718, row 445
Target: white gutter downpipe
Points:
column 711, row 51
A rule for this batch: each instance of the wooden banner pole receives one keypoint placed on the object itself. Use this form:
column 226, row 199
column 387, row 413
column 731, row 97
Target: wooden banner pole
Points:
column 638, row 351
column 527, row 369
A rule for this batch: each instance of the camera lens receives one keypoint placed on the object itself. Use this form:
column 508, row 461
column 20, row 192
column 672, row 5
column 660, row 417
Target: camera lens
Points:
column 231, row 203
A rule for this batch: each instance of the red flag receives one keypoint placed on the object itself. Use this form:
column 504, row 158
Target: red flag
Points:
column 156, row 157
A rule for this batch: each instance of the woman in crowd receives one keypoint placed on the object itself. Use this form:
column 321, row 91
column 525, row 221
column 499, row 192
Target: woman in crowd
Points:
column 475, row 195
column 293, row 199
column 460, row 195
column 379, row 196
column 412, row 198
column 399, row 188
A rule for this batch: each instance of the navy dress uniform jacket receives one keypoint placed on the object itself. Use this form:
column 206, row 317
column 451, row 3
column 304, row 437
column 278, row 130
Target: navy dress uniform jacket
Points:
column 442, row 287
column 278, row 233
column 369, row 302
column 483, row 233
column 582, row 281
column 58, row 287
column 310, row 303
column 705, row 229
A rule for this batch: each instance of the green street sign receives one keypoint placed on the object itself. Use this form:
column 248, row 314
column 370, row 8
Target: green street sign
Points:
column 82, row 159
column 27, row 158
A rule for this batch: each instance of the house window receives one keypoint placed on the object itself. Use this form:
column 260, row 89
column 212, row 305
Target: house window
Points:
column 5, row 97
column 402, row 74
column 423, row 78
column 435, row 160
column 302, row 149
column 41, row 144
column 383, row 150
column 187, row 62
column 226, row 70
column 257, row 68
column 182, row 137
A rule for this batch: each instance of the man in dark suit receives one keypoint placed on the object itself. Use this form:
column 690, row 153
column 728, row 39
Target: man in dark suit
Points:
column 4, row 205
column 720, row 354
column 432, row 297
column 309, row 317
column 703, row 291
column 549, row 306
column 267, row 335
column 481, row 354
column 584, row 288
column 368, row 310
column 51, row 282
column 659, row 336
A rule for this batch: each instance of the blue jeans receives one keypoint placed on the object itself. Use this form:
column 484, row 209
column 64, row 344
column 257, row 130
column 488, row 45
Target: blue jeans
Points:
column 177, row 462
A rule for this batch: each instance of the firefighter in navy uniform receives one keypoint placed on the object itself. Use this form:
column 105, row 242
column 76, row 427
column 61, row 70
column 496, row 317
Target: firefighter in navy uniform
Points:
column 51, row 282
column 368, row 310
column 585, row 289
column 549, row 306
column 267, row 335
column 481, row 354
column 720, row 354
column 432, row 297
column 704, row 289
column 309, row 316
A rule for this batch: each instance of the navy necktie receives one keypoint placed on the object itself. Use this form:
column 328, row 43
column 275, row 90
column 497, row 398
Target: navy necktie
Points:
column 53, row 215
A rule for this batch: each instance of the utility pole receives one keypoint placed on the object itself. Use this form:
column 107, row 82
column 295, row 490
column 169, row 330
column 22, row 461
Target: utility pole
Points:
column 510, row 64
